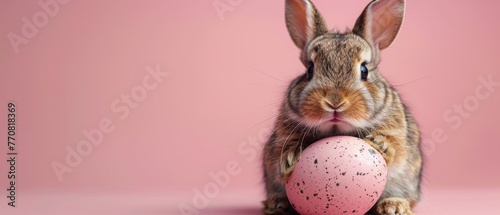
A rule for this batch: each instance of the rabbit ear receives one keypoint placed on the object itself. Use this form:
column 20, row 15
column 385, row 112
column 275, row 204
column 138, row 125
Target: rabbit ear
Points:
column 380, row 22
column 303, row 21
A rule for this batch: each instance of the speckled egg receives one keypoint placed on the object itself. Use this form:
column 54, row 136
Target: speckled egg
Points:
column 337, row 175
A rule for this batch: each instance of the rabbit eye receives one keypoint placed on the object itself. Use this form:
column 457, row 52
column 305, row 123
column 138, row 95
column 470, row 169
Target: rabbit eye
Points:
column 310, row 71
column 364, row 72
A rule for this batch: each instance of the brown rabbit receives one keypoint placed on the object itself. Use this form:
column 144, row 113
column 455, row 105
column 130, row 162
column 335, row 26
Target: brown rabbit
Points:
column 343, row 93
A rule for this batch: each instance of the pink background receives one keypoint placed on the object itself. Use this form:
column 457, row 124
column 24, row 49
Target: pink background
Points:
column 226, row 79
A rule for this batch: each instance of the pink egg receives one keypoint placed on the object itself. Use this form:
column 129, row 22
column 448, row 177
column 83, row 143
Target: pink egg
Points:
column 337, row 175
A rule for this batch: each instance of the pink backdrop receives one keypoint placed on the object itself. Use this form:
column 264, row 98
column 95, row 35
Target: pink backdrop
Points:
column 226, row 76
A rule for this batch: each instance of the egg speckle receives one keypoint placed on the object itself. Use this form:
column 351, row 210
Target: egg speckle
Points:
column 337, row 175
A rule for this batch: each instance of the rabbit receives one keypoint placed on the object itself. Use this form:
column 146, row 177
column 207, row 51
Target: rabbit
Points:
column 341, row 92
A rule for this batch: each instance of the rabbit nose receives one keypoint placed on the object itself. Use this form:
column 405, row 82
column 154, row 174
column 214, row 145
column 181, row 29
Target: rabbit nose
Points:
column 332, row 106
column 339, row 105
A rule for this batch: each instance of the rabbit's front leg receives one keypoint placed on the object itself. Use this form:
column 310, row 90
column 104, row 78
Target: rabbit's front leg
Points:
column 382, row 144
column 288, row 160
column 284, row 154
column 393, row 150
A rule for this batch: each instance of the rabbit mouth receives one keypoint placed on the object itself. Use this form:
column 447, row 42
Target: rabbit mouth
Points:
column 337, row 124
column 335, row 117
column 335, row 120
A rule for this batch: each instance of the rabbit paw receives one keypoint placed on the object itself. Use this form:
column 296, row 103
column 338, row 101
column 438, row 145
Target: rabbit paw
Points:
column 288, row 161
column 382, row 145
column 277, row 204
column 394, row 206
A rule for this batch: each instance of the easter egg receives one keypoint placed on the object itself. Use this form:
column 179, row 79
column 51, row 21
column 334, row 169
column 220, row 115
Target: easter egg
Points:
column 337, row 175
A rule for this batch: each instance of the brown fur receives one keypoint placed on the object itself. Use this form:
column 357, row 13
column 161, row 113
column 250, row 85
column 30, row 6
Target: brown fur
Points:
column 370, row 109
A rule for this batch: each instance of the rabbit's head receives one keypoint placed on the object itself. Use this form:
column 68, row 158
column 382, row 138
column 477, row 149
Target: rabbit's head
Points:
column 341, row 89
